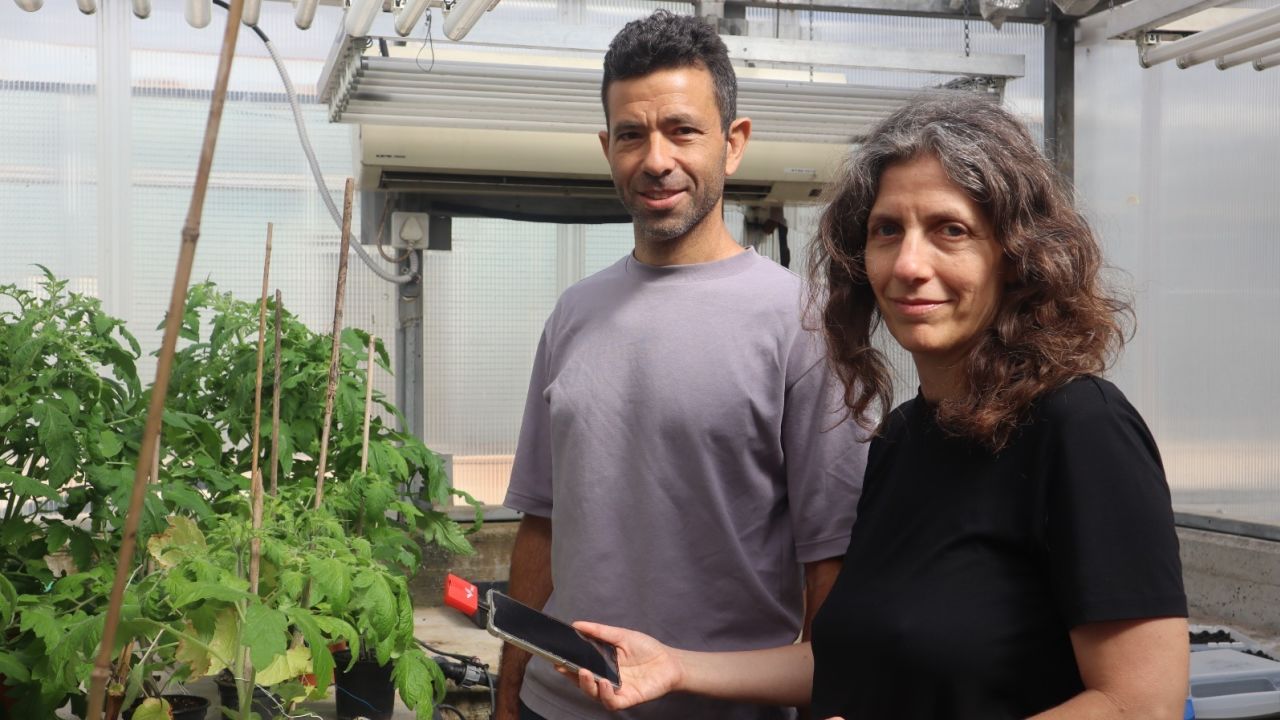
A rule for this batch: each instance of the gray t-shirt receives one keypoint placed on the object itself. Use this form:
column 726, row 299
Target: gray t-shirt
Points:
column 682, row 432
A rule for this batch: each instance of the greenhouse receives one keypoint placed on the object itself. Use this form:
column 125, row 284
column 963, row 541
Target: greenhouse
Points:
column 869, row 358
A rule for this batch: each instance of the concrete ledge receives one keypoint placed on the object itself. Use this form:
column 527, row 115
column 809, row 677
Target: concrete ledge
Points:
column 1232, row 580
column 492, row 561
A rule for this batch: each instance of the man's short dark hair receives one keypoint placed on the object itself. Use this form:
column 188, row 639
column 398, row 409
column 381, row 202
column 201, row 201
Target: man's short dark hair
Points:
column 665, row 41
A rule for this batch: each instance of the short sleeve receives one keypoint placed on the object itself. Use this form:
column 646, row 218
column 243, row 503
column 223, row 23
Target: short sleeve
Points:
column 530, row 488
column 1109, row 532
column 826, row 454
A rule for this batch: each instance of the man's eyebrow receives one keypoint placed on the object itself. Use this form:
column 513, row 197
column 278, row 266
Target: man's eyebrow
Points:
column 680, row 119
column 623, row 125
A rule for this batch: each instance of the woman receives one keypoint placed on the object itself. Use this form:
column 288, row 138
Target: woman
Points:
column 1014, row 553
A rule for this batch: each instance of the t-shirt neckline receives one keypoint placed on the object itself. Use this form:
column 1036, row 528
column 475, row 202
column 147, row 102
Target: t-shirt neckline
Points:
column 713, row 270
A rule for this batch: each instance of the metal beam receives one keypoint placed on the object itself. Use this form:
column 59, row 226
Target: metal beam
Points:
column 1033, row 12
column 1059, row 93
column 1135, row 17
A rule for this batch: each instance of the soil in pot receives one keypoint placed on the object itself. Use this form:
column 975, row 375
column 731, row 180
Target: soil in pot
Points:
column 366, row 690
column 184, row 707
column 267, row 704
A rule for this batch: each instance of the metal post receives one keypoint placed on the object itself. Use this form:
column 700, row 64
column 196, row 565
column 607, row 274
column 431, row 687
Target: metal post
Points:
column 115, row 153
column 409, row 361
column 1059, row 92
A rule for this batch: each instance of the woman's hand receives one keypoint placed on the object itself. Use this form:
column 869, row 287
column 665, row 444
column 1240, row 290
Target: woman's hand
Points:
column 648, row 668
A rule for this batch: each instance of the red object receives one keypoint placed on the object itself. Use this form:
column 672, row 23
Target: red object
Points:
column 461, row 595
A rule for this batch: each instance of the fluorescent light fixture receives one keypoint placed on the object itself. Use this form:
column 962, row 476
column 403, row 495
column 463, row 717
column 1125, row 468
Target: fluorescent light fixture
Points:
column 1209, row 38
column 199, row 12
column 1269, row 61
column 88, row 7
column 1254, row 53
column 142, row 9
column 360, row 16
column 305, row 14
column 407, row 16
column 1226, row 47
column 459, row 20
column 30, row 5
column 252, row 9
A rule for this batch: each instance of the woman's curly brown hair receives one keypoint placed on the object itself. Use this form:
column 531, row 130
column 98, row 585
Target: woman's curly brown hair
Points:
column 1055, row 320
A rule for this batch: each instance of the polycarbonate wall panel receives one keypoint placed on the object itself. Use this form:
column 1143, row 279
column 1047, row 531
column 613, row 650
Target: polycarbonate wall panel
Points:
column 1177, row 170
column 48, row 140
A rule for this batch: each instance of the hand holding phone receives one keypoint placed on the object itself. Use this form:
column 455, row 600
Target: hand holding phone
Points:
column 551, row 639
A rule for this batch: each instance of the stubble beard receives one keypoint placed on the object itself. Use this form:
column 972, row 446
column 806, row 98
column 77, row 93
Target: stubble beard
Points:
column 668, row 228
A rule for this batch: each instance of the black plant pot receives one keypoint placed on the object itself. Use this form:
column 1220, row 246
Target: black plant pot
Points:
column 366, row 690
column 268, row 705
column 185, row 707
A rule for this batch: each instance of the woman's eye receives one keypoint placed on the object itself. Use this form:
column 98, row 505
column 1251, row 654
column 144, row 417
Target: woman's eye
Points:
column 954, row 231
column 884, row 230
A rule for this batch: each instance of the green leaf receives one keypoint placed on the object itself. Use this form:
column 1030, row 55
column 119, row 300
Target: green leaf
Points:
column 41, row 622
column 321, row 659
column 225, row 641
column 420, row 682
column 109, row 444
column 185, row 498
column 13, row 669
column 267, row 634
column 446, row 533
column 27, row 487
column 195, row 592
column 8, row 602
column 57, row 536
column 57, row 435
column 333, row 580
column 379, row 604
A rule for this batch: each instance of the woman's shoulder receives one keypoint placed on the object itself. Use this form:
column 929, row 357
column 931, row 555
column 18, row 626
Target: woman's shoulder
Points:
column 1083, row 398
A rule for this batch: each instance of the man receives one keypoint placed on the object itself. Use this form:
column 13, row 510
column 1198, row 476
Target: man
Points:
column 681, row 453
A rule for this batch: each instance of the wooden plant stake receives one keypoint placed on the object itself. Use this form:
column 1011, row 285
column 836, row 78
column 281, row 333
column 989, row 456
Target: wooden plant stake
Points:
column 337, row 338
column 275, row 401
column 155, row 410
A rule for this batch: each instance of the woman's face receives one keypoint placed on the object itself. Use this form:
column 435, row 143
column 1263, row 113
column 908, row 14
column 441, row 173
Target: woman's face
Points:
column 933, row 262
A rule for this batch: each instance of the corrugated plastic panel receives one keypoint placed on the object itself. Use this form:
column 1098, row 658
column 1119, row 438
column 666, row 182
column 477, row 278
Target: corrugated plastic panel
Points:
column 1177, row 168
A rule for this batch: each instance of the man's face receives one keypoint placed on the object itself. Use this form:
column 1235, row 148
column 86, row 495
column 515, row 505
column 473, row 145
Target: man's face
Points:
column 667, row 152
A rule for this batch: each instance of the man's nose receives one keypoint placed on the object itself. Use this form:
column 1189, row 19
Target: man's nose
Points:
column 658, row 158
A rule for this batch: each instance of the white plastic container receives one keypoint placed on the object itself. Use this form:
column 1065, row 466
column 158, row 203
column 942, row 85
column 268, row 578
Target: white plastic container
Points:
column 1232, row 684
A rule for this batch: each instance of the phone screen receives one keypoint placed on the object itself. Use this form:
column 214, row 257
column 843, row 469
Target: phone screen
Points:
column 551, row 638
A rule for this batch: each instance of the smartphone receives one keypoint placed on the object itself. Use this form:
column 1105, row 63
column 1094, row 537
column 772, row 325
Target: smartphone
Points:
column 550, row 638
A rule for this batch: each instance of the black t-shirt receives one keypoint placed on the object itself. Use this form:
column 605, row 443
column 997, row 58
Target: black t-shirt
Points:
column 967, row 569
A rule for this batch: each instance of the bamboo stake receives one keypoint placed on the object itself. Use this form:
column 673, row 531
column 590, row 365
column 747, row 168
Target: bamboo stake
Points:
column 155, row 410
column 368, row 413
column 275, row 402
column 255, row 487
column 337, row 338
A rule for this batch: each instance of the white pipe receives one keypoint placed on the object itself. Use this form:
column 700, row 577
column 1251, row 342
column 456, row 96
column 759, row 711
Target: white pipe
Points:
column 142, row 9
column 1161, row 53
column 88, row 7
column 30, row 5
column 360, row 16
column 252, row 9
column 305, row 14
column 199, row 12
column 1269, row 61
column 464, row 15
column 1253, row 53
column 1244, row 42
column 408, row 14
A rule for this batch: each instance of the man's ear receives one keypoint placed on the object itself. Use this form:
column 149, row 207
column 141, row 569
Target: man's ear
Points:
column 739, row 133
column 604, row 143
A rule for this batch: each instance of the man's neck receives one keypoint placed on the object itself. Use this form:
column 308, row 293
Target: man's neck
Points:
column 701, row 245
